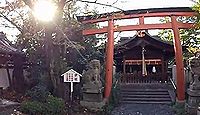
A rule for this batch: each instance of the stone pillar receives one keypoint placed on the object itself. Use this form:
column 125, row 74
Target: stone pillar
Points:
column 1, row 94
column 194, row 88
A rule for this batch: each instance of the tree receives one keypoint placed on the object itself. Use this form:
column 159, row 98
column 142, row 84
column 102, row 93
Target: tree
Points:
column 188, row 37
column 52, row 51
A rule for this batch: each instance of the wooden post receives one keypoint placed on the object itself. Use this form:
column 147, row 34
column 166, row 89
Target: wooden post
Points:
column 165, row 71
column 124, row 70
column 179, row 61
column 9, row 76
column 124, row 65
column 162, row 67
column 141, row 20
column 109, row 58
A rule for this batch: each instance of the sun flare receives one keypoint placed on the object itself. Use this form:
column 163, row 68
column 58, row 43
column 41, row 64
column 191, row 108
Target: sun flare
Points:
column 44, row 10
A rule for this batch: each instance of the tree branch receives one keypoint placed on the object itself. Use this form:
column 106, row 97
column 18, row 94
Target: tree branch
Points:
column 6, row 18
column 194, row 1
column 28, row 3
column 14, row 9
column 114, row 2
column 101, row 4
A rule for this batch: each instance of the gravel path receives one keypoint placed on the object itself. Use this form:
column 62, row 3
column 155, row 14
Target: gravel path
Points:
column 143, row 109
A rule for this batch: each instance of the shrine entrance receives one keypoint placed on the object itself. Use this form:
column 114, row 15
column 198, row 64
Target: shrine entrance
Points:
column 133, row 72
column 140, row 15
column 143, row 59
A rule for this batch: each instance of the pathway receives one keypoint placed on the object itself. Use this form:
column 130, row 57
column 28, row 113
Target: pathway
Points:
column 143, row 109
column 8, row 107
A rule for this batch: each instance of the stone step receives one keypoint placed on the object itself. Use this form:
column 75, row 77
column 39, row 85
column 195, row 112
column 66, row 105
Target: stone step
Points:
column 145, row 86
column 144, row 90
column 142, row 96
column 145, row 102
column 144, row 93
column 146, row 99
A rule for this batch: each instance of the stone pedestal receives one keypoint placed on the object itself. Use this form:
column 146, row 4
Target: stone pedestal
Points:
column 93, row 99
column 194, row 89
column 193, row 101
column 93, row 95
column 95, row 106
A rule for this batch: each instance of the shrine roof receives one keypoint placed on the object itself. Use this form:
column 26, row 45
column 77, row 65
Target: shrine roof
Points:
column 127, row 43
column 5, row 46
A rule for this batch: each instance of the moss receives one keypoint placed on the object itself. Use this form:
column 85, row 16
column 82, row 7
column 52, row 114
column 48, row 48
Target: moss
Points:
column 179, row 109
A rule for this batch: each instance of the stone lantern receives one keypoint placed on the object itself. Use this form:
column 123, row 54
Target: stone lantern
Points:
column 92, row 87
column 194, row 88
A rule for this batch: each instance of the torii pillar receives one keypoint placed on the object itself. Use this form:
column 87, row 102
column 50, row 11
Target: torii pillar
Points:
column 109, row 58
column 179, row 61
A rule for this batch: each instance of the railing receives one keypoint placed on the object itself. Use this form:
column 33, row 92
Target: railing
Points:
column 172, row 92
column 173, row 84
column 136, row 78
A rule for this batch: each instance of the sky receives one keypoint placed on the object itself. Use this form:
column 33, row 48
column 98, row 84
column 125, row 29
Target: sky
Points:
column 139, row 4
column 123, row 4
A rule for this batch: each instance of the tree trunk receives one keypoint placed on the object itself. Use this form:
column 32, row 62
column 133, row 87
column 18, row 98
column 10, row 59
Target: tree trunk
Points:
column 18, row 77
column 48, row 56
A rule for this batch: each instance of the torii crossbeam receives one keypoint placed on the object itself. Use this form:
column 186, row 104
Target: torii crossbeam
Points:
column 173, row 13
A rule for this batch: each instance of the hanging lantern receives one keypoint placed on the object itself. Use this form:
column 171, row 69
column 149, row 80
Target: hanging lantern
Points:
column 154, row 69
column 144, row 69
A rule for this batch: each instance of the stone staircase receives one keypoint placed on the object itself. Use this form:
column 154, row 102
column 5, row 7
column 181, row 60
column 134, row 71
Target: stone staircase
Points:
column 146, row 94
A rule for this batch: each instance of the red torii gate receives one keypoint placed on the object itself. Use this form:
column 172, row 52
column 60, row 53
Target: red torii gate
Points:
column 173, row 13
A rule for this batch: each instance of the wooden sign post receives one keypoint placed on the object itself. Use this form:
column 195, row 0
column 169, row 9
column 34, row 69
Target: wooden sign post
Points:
column 71, row 76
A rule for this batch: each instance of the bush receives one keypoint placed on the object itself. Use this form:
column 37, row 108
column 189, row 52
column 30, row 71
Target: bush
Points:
column 33, row 108
column 179, row 109
column 52, row 106
column 55, row 106
column 38, row 93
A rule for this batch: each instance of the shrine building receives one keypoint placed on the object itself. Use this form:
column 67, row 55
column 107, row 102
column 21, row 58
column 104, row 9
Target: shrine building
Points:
column 143, row 58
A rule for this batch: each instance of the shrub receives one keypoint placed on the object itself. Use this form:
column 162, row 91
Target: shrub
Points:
column 179, row 109
column 55, row 106
column 38, row 93
column 33, row 108
column 51, row 106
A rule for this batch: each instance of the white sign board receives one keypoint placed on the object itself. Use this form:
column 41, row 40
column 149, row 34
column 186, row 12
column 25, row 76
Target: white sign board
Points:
column 71, row 76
